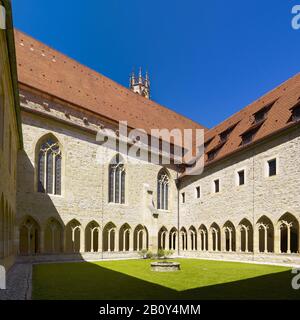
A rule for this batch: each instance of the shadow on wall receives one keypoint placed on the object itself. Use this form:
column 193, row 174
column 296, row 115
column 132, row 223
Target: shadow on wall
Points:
column 92, row 281
column 40, row 229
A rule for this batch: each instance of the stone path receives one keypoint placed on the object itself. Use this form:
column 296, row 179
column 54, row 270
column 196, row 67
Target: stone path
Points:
column 18, row 283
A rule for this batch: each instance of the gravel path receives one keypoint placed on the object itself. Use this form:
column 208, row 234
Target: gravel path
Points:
column 18, row 283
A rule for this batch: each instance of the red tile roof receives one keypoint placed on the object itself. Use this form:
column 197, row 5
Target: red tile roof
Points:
column 49, row 71
column 282, row 99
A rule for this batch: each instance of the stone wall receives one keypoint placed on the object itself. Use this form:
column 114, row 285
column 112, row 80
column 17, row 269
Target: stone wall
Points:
column 8, row 157
column 85, row 181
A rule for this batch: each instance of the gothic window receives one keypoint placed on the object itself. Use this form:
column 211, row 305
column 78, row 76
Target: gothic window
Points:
column 163, row 190
column 49, row 167
column 117, row 180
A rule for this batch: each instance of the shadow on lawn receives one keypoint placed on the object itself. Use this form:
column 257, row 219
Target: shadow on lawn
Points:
column 90, row 281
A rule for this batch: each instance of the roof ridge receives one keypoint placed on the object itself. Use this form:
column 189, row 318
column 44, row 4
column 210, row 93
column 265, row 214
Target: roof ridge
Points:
column 251, row 104
column 110, row 81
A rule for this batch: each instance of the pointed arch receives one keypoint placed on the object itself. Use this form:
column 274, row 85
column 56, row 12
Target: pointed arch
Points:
column 229, row 236
column 49, row 164
column 173, row 238
column 163, row 184
column 29, row 236
column 288, row 237
column 245, row 230
column 215, row 237
column 192, row 238
column 53, row 236
column 163, row 239
column 203, row 235
column 110, row 237
column 124, row 237
column 183, row 238
column 140, row 237
column 116, row 180
column 74, row 237
column 92, row 237
column 265, row 234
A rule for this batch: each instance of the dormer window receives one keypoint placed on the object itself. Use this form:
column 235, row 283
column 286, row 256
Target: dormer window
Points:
column 207, row 143
column 261, row 114
column 225, row 134
column 248, row 135
column 296, row 113
column 213, row 153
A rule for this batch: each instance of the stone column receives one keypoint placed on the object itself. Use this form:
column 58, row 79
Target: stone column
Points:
column 288, row 238
column 210, row 241
column 277, row 239
column 16, row 240
column 131, row 241
column 255, row 239
column 117, row 244
column 223, row 240
column 246, row 239
column 42, row 241
column 205, row 236
column 100, row 235
column 199, row 242
column 238, row 236
column 189, row 240
column 82, row 240
column 266, row 239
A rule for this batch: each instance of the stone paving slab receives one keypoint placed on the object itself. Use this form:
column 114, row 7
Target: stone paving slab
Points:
column 18, row 283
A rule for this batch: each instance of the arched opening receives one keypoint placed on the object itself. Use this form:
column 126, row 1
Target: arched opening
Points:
column 124, row 237
column 73, row 236
column 117, row 180
column 203, row 238
column 215, row 237
column 140, row 238
column 246, row 236
column 192, row 238
column 163, row 238
column 288, row 233
column 53, row 236
column 29, row 236
column 49, row 165
column 229, row 236
column 109, row 237
column 173, row 239
column 266, row 234
column 163, row 189
column 92, row 237
column 183, row 238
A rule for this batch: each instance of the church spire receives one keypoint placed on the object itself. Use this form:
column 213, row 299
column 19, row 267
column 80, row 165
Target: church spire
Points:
column 140, row 84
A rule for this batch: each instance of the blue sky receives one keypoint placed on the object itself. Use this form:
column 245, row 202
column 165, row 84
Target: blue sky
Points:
column 206, row 58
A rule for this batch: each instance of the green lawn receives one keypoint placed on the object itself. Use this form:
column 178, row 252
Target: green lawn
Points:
column 132, row 279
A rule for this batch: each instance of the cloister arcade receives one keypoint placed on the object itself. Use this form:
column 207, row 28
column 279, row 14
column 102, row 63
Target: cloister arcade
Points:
column 244, row 237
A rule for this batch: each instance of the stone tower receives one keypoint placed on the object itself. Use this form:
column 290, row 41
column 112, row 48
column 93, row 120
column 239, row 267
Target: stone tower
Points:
column 140, row 84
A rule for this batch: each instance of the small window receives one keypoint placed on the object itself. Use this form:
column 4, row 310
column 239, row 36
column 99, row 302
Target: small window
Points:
column 261, row 114
column 241, row 177
column 296, row 113
column 217, row 185
column 183, row 197
column 272, row 167
column 198, row 192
